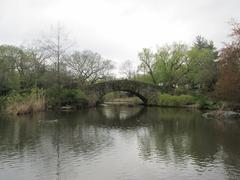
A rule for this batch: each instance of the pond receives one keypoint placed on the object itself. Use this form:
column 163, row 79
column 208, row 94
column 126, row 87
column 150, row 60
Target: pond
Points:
column 119, row 143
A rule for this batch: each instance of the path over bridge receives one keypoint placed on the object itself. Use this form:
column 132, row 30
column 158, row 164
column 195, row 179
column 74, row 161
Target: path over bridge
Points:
column 145, row 91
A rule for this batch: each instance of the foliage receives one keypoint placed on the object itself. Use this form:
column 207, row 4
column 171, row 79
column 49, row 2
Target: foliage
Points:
column 65, row 97
column 178, row 65
column 122, row 98
column 203, row 75
column 228, row 86
column 54, row 46
column 201, row 102
column 113, row 95
column 142, row 77
column 117, row 95
column 19, row 69
column 9, row 78
column 147, row 63
column 43, row 66
column 2, row 102
column 172, row 64
column 175, row 101
column 205, row 102
column 202, row 43
column 178, row 68
column 25, row 103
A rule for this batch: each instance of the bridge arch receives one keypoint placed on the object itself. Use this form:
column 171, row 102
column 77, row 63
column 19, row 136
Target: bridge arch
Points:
column 145, row 91
column 140, row 96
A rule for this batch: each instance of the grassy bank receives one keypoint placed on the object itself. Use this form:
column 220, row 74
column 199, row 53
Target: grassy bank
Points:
column 199, row 102
column 28, row 103
column 175, row 101
column 38, row 100
column 167, row 100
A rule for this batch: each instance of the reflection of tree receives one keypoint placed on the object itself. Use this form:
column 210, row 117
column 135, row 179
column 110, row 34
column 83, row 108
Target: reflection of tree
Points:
column 168, row 136
column 177, row 136
column 51, row 134
column 228, row 138
column 74, row 131
column 171, row 136
column 19, row 133
column 47, row 139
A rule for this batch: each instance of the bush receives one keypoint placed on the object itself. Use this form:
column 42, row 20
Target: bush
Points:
column 65, row 97
column 181, row 90
column 206, row 103
column 2, row 102
column 175, row 101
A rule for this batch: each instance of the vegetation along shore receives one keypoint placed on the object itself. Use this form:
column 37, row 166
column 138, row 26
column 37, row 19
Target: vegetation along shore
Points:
column 47, row 75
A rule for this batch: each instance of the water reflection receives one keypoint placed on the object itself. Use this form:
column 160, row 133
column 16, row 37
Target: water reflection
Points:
column 181, row 137
column 119, row 143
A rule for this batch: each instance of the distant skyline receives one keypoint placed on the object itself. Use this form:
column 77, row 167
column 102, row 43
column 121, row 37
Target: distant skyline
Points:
column 118, row 30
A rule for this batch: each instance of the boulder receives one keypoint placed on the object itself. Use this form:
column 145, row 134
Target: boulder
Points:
column 221, row 114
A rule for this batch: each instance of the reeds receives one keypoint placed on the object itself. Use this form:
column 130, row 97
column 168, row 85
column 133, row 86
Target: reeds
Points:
column 27, row 104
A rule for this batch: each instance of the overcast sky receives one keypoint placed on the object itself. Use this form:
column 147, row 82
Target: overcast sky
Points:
column 118, row 29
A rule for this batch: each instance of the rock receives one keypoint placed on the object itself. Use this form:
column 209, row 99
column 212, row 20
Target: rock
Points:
column 221, row 114
column 231, row 114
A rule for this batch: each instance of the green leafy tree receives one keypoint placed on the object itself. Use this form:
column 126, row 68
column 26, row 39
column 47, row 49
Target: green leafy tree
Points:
column 171, row 65
column 147, row 60
column 9, row 77
column 37, row 67
column 202, row 43
column 203, row 56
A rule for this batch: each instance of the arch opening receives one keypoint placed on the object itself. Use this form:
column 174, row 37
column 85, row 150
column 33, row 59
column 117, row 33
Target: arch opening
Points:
column 122, row 97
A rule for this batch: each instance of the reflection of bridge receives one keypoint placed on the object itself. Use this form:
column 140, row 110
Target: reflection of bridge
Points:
column 145, row 91
column 121, row 114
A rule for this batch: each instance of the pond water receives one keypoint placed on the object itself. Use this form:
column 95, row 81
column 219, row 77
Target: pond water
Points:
column 119, row 143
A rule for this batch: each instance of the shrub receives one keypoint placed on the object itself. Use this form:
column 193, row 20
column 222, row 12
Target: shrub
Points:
column 169, row 100
column 2, row 102
column 65, row 97
column 206, row 103
column 181, row 90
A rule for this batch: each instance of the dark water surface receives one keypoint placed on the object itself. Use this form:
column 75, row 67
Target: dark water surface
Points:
column 119, row 143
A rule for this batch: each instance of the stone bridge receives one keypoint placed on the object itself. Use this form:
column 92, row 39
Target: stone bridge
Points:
column 145, row 91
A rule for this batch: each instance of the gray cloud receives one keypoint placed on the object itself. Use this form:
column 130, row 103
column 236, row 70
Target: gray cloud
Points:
column 118, row 29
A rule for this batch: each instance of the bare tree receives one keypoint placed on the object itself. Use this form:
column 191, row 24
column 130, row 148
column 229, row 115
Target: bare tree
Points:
column 88, row 66
column 126, row 69
column 53, row 46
